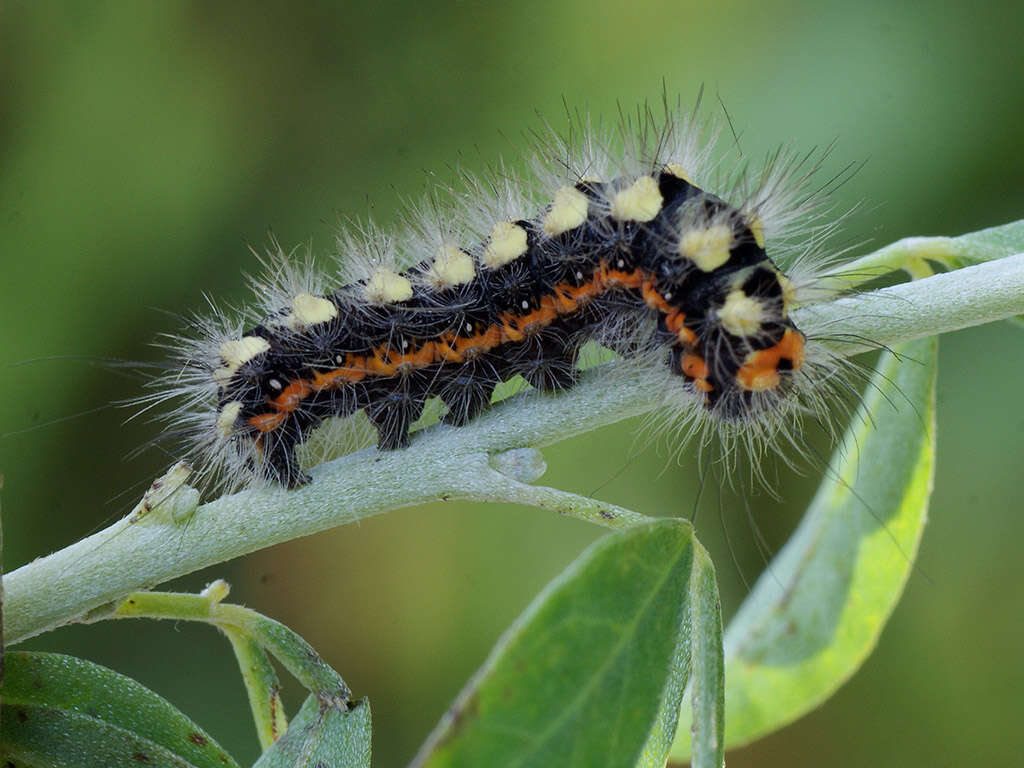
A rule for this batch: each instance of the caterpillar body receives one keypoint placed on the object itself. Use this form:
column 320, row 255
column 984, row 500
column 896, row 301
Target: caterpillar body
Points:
column 627, row 247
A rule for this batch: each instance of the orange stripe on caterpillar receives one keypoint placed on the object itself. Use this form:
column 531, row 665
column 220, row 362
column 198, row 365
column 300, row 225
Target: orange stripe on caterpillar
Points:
column 760, row 370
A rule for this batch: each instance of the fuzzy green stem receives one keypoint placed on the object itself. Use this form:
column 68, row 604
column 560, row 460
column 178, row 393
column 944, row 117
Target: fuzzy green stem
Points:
column 297, row 656
column 444, row 463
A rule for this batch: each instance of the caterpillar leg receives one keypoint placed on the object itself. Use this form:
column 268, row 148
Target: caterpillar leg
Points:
column 279, row 459
column 468, row 391
column 548, row 362
column 393, row 414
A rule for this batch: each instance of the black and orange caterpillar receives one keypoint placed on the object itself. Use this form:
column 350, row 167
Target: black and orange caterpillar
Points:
column 644, row 262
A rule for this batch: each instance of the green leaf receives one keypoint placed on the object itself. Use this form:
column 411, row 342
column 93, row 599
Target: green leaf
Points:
column 708, row 689
column 322, row 735
column 817, row 611
column 59, row 711
column 593, row 672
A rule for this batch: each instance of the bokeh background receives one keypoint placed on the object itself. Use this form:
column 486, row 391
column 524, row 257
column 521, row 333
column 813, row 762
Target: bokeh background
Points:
column 145, row 146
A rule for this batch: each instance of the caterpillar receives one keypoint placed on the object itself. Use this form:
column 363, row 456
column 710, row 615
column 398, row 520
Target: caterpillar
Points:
column 621, row 240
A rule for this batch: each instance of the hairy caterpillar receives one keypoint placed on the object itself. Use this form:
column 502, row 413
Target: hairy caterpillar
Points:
column 632, row 238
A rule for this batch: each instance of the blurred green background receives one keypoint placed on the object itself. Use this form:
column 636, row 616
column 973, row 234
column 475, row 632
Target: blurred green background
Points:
column 144, row 146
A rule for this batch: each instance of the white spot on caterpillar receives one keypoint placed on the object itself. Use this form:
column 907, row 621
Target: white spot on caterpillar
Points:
column 756, row 227
column 237, row 352
column 227, row 417
column 568, row 211
column 679, row 172
column 789, row 292
column 526, row 305
column 508, row 243
column 310, row 310
column 707, row 248
column 275, row 385
column 451, row 266
column 387, row 286
column 640, row 201
column 741, row 315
